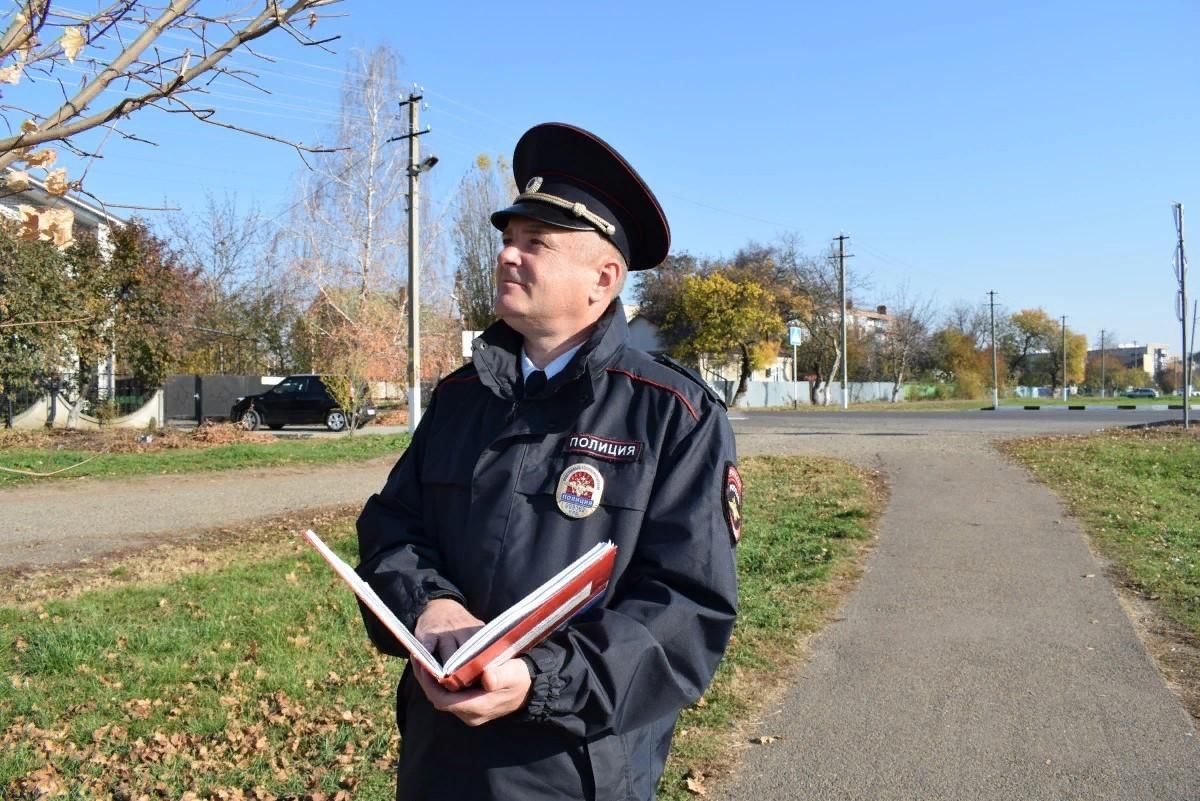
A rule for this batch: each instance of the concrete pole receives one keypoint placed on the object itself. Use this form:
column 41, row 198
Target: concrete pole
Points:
column 995, row 370
column 1064, row 357
column 1181, row 261
column 1102, row 362
column 414, row 255
column 842, row 291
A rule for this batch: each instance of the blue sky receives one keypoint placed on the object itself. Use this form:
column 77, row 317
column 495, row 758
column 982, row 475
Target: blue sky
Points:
column 1033, row 148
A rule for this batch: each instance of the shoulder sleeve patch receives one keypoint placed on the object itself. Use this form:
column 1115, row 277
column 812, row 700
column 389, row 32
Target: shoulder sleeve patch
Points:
column 692, row 375
column 732, row 496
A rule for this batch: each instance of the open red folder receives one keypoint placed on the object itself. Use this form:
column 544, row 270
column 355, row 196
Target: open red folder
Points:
column 516, row 630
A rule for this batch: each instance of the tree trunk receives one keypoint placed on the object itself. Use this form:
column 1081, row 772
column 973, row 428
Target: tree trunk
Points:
column 828, row 379
column 898, row 378
column 744, row 377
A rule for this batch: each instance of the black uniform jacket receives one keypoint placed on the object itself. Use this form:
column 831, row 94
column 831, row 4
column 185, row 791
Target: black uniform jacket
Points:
column 470, row 512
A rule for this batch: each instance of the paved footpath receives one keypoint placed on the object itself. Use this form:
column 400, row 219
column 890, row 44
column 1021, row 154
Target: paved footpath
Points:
column 983, row 656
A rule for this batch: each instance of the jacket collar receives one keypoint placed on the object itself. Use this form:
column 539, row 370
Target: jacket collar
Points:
column 496, row 354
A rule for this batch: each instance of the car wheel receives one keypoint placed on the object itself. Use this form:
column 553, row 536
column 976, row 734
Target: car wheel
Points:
column 251, row 420
column 336, row 420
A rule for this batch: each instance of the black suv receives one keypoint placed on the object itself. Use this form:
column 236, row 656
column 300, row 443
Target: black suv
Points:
column 296, row 400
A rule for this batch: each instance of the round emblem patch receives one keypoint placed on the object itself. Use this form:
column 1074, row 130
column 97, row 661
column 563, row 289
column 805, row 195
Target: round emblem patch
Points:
column 535, row 183
column 733, row 495
column 579, row 490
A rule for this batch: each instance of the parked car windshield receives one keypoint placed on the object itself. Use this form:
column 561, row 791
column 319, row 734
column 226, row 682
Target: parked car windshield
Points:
column 290, row 385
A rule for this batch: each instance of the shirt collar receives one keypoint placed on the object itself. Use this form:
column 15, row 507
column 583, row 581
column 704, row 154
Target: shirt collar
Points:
column 553, row 368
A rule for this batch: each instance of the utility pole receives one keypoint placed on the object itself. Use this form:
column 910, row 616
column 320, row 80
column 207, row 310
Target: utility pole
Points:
column 841, row 240
column 1102, row 362
column 1064, row 357
column 1181, row 313
column 415, row 168
column 995, row 371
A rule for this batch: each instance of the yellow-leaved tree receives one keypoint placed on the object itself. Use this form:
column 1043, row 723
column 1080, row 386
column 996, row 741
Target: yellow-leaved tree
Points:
column 727, row 320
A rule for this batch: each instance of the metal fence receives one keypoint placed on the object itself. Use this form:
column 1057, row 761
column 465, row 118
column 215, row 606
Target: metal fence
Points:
column 103, row 398
column 18, row 393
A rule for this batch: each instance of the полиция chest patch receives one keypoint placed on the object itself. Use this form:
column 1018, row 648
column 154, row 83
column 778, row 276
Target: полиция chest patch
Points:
column 580, row 488
column 610, row 450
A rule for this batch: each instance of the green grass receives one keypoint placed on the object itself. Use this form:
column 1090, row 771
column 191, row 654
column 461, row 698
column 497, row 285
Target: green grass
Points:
column 258, row 674
column 1136, row 493
column 234, row 456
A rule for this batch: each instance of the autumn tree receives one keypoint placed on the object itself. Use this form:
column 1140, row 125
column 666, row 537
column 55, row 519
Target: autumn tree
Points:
column 1104, row 375
column 486, row 187
column 242, row 317
column 820, row 315
column 1069, row 368
column 725, row 318
column 64, row 312
column 38, row 299
column 961, row 361
column 1029, row 333
column 347, row 234
column 906, row 342
column 658, row 291
column 129, row 55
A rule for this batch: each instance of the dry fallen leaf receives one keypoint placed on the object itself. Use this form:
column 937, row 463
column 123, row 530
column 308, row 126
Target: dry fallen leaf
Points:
column 72, row 41
column 765, row 739
column 42, row 158
column 56, row 185
column 11, row 74
column 17, row 181
column 694, row 782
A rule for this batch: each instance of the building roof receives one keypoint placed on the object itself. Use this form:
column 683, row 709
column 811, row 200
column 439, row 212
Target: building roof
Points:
column 87, row 215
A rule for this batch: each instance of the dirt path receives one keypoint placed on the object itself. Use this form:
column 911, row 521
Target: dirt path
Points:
column 70, row 521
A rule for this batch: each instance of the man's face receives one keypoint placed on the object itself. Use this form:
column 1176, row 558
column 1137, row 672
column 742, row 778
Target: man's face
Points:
column 547, row 278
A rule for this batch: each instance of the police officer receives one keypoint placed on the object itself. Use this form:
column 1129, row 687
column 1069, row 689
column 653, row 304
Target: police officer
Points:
column 555, row 437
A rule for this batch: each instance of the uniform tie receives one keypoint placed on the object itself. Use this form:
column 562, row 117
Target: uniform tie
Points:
column 535, row 382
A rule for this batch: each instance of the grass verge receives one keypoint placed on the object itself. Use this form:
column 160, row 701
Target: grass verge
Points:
column 1135, row 493
column 246, row 675
column 130, row 459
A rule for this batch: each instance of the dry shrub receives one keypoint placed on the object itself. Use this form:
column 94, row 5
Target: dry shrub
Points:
column 392, row 417
column 128, row 440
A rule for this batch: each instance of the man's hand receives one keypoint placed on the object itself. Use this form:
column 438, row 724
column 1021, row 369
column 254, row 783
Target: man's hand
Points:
column 444, row 625
column 502, row 690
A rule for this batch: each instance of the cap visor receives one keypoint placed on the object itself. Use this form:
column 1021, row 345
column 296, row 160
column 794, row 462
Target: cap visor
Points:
column 551, row 215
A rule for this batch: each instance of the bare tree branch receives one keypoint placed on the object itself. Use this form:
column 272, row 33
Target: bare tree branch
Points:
column 171, row 76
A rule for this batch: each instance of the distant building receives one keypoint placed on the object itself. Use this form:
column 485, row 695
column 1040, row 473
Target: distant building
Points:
column 643, row 334
column 876, row 322
column 1150, row 359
